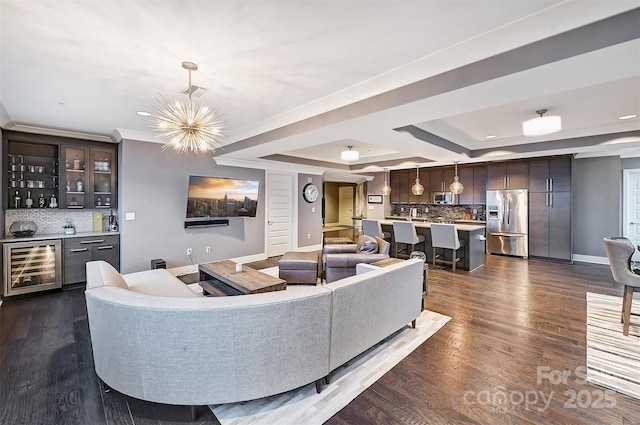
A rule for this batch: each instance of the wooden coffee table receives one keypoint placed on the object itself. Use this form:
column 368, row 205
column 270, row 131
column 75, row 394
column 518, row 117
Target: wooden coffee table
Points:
column 219, row 278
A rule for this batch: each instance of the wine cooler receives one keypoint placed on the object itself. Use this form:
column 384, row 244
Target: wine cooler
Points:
column 32, row 266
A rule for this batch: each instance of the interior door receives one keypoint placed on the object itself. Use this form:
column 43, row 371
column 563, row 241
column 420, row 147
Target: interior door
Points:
column 345, row 199
column 631, row 207
column 279, row 213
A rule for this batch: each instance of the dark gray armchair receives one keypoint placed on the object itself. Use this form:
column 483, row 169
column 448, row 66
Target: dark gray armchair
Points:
column 619, row 251
column 339, row 261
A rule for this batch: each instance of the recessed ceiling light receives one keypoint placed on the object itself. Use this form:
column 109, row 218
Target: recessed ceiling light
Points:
column 628, row 117
column 491, row 136
column 144, row 113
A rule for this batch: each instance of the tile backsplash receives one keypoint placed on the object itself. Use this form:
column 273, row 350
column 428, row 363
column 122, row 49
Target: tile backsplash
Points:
column 440, row 212
column 52, row 220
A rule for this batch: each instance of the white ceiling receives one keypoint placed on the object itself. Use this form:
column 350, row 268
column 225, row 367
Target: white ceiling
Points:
column 299, row 81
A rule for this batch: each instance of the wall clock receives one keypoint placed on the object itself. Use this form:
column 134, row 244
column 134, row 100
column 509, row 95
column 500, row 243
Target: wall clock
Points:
column 310, row 192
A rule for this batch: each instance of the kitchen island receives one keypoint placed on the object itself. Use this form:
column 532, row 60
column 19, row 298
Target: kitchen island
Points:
column 472, row 234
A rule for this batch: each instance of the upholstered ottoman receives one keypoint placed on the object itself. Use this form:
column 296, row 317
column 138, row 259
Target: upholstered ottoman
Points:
column 299, row 267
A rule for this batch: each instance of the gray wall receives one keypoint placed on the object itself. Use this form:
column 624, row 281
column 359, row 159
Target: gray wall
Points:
column 309, row 215
column 154, row 186
column 597, row 192
column 377, row 211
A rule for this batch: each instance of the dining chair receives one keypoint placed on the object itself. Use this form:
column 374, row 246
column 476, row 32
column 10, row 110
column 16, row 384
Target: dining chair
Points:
column 445, row 236
column 404, row 232
column 373, row 228
column 619, row 251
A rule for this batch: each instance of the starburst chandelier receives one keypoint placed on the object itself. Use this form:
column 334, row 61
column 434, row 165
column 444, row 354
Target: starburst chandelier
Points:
column 187, row 126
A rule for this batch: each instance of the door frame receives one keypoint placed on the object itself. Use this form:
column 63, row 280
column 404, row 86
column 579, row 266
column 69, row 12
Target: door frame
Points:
column 293, row 242
column 626, row 177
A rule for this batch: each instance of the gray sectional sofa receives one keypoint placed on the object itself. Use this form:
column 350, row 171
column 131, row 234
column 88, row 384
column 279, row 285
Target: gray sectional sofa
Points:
column 155, row 339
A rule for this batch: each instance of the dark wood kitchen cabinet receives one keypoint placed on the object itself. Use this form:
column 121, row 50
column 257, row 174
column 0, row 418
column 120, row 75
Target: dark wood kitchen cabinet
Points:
column 508, row 175
column 550, row 208
column 550, row 175
column 78, row 251
column 400, row 187
column 474, row 180
column 440, row 179
column 59, row 172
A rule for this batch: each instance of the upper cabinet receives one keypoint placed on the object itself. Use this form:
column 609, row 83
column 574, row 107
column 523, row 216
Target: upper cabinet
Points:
column 550, row 175
column 56, row 172
column 440, row 179
column 474, row 180
column 509, row 175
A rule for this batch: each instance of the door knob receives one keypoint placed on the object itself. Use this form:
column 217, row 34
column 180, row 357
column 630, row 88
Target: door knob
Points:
column 633, row 222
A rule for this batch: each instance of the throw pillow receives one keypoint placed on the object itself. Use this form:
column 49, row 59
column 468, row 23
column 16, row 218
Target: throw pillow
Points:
column 367, row 245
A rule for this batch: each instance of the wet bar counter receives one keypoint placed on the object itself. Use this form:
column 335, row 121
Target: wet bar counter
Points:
column 472, row 234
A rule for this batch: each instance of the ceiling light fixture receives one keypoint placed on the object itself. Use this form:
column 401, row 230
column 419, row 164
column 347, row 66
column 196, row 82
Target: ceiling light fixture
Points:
column 144, row 113
column 490, row 136
column 386, row 189
column 417, row 189
column 628, row 117
column 542, row 125
column 456, row 187
column 187, row 126
column 350, row 155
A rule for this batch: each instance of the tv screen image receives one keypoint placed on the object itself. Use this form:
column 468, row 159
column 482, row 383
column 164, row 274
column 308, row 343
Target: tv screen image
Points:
column 221, row 197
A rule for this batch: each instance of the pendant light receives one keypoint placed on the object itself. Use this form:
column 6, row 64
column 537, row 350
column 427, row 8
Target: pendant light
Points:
column 417, row 189
column 456, row 187
column 386, row 189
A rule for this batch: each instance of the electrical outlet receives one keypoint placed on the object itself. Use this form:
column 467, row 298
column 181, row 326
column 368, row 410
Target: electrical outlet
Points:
column 188, row 251
column 207, row 250
column 308, row 235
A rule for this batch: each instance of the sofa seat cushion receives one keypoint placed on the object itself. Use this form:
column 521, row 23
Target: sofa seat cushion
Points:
column 158, row 282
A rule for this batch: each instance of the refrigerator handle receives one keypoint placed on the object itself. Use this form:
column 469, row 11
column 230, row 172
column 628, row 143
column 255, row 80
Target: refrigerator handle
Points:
column 551, row 199
column 550, row 185
column 546, row 199
column 546, row 182
column 508, row 205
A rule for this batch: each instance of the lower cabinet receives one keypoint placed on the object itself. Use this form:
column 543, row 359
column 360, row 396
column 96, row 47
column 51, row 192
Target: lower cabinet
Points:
column 78, row 251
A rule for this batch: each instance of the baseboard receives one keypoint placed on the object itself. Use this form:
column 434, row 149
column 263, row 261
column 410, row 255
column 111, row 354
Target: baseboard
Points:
column 590, row 259
column 250, row 258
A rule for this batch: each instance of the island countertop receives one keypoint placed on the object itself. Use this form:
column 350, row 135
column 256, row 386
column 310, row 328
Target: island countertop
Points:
column 427, row 225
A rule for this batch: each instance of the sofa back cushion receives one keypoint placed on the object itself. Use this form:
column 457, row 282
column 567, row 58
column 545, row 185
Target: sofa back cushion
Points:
column 367, row 245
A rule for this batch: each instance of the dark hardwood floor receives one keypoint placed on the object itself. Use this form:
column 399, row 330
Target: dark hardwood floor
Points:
column 509, row 318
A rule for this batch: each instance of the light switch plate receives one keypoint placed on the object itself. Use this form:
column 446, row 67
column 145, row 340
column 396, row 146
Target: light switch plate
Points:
column 130, row 216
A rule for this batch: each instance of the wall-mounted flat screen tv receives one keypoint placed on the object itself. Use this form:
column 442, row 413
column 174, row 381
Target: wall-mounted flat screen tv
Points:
column 211, row 197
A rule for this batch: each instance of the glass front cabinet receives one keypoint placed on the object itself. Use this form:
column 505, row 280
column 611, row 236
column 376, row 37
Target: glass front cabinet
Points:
column 89, row 175
column 32, row 266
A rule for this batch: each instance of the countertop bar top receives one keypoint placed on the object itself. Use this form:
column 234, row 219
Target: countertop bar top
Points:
column 423, row 224
column 49, row 236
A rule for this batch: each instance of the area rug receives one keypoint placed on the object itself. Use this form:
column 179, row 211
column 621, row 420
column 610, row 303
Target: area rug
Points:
column 613, row 360
column 305, row 406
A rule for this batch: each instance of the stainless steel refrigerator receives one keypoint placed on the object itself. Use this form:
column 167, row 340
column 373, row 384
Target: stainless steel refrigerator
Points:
column 508, row 222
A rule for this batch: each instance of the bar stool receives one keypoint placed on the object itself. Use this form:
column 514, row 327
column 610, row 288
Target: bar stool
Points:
column 445, row 236
column 405, row 232
column 373, row 228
